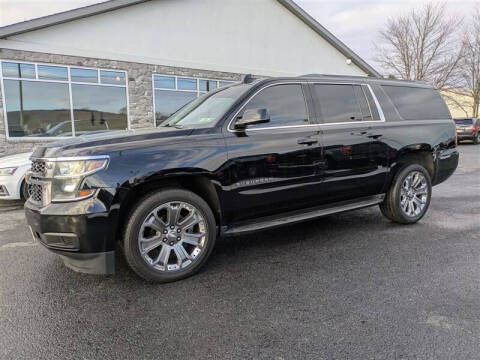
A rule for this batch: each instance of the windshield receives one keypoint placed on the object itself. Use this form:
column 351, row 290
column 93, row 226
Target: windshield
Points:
column 207, row 109
column 464, row 121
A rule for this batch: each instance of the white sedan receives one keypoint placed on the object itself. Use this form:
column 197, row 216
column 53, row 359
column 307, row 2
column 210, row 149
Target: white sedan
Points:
column 12, row 176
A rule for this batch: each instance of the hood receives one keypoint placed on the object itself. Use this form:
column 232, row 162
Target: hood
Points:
column 106, row 142
column 15, row 160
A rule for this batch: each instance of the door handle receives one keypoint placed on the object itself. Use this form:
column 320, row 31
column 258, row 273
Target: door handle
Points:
column 307, row 141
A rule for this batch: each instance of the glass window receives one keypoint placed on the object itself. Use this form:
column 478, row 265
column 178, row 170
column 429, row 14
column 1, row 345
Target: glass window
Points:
column 17, row 70
column 415, row 103
column 212, row 85
column 371, row 102
column 284, row 103
column 37, row 108
column 10, row 69
column 186, row 84
column 224, row 83
column 48, row 72
column 167, row 102
column 207, row 109
column 84, row 75
column 464, row 121
column 27, row 71
column 112, row 77
column 338, row 103
column 203, row 85
column 164, row 82
column 362, row 102
column 99, row 108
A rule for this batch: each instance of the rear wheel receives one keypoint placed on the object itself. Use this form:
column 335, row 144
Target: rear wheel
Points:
column 476, row 139
column 408, row 198
column 169, row 235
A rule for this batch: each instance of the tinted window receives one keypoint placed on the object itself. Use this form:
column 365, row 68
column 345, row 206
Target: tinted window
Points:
column 99, row 108
column 415, row 103
column 35, row 108
column 284, row 103
column 338, row 103
column 167, row 102
column 464, row 121
column 362, row 102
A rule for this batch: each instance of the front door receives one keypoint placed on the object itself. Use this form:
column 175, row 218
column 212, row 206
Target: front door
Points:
column 273, row 167
column 353, row 157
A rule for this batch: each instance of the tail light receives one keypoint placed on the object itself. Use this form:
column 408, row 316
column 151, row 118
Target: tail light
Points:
column 474, row 129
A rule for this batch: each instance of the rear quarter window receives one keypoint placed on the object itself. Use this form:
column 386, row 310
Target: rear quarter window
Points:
column 415, row 103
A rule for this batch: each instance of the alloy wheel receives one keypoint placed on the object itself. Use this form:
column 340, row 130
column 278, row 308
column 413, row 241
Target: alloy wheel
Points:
column 172, row 236
column 414, row 194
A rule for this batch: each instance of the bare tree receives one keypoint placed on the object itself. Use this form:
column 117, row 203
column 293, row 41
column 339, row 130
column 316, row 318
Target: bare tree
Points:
column 423, row 45
column 470, row 62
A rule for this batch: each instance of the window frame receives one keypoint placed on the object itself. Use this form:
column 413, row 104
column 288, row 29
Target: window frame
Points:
column 362, row 87
column 69, row 82
column 311, row 106
column 176, row 89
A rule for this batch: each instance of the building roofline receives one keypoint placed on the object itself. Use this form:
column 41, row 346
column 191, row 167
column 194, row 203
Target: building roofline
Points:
column 327, row 35
column 86, row 11
column 65, row 16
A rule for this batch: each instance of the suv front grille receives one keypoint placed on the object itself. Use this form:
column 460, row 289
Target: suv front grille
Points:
column 38, row 184
column 35, row 192
column 38, row 168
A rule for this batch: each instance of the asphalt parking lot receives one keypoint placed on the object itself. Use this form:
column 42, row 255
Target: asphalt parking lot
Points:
column 349, row 286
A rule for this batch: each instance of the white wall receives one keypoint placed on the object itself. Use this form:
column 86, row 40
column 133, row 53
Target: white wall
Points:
column 245, row 36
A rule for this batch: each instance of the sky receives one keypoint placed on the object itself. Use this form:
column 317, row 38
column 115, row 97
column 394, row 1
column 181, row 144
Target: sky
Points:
column 355, row 22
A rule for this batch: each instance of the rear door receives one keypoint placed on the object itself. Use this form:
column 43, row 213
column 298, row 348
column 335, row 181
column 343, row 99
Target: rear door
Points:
column 272, row 167
column 354, row 156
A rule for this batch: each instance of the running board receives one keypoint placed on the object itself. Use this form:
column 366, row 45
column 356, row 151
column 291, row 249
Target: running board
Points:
column 301, row 215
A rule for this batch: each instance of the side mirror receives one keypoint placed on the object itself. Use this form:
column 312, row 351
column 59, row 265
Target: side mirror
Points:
column 251, row 117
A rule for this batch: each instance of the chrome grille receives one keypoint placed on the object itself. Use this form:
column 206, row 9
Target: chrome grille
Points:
column 38, row 167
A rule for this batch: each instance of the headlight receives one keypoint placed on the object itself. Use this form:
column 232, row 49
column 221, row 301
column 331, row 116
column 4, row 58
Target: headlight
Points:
column 68, row 175
column 8, row 171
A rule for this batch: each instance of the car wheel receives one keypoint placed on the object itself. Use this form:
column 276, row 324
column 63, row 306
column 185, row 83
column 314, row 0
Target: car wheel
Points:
column 476, row 139
column 169, row 235
column 409, row 196
column 24, row 190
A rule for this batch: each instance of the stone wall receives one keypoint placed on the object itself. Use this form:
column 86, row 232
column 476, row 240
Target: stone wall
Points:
column 140, row 91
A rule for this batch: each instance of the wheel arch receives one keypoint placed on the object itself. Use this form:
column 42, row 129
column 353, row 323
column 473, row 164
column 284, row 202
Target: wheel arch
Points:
column 421, row 154
column 201, row 185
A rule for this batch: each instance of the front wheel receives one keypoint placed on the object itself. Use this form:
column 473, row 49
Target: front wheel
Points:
column 409, row 196
column 169, row 235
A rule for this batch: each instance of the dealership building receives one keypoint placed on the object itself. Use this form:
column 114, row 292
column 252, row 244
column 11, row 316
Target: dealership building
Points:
column 128, row 64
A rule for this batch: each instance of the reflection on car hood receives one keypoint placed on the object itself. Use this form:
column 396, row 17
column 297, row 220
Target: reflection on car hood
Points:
column 15, row 160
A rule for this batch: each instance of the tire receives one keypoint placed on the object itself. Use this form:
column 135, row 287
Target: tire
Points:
column 476, row 139
column 152, row 221
column 24, row 191
column 396, row 206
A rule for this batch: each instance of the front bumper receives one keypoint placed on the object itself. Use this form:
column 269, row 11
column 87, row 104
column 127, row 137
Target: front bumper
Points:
column 80, row 232
column 9, row 188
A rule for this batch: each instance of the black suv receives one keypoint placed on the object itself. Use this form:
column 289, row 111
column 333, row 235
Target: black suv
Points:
column 250, row 156
column 468, row 129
